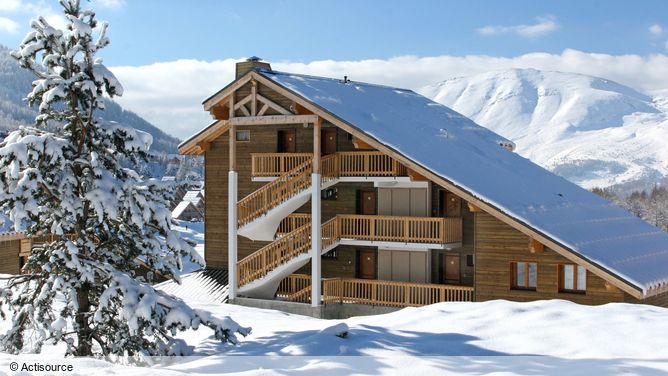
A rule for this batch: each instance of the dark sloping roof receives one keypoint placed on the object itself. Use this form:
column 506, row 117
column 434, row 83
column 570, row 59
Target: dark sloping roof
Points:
column 466, row 154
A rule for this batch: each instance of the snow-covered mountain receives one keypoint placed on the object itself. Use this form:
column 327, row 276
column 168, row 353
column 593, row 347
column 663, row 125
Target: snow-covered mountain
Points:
column 590, row 130
column 15, row 83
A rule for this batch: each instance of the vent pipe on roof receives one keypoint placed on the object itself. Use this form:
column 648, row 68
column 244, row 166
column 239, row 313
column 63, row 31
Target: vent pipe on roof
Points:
column 250, row 64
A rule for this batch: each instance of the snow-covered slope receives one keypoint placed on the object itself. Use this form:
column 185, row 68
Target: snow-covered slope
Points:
column 590, row 130
column 497, row 337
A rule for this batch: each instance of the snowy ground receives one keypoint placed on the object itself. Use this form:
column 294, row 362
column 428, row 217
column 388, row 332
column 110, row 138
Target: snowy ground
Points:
column 538, row 338
column 192, row 231
column 498, row 337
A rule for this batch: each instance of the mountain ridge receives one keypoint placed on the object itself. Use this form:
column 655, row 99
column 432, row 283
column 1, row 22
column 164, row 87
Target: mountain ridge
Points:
column 15, row 83
column 590, row 130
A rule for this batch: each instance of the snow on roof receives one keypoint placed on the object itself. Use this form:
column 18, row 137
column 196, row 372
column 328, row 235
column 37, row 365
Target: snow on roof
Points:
column 180, row 208
column 466, row 154
column 192, row 196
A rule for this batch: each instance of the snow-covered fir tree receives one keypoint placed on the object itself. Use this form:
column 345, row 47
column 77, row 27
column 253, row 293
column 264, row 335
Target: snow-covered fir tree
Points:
column 62, row 177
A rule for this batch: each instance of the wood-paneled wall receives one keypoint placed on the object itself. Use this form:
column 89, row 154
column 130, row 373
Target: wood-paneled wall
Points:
column 497, row 245
column 9, row 256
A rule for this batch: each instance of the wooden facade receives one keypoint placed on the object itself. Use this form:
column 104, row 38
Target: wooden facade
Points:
column 10, row 260
column 491, row 243
column 497, row 245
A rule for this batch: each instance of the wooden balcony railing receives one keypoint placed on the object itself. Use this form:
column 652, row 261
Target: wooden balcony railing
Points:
column 368, row 164
column 274, row 193
column 292, row 222
column 293, row 181
column 424, row 230
column 275, row 164
column 295, row 288
column 389, row 293
column 341, row 164
column 264, row 260
column 400, row 229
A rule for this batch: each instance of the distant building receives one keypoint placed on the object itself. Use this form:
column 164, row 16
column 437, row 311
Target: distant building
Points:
column 196, row 197
column 179, row 191
column 187, row 211
column 173, row 164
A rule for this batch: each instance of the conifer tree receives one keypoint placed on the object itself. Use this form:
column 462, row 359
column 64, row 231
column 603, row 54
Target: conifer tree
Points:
column 61, row 177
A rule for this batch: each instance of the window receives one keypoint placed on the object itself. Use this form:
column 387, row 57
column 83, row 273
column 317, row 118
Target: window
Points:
column 332, row 255
column 572, row 278
column 243, row 136
column 469, row 260
column 328, row 194
column 524, row 275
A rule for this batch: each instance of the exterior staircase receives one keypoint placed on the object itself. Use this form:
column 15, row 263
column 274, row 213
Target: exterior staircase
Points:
column 260, row 213
column 267, row 214
column 260, row 273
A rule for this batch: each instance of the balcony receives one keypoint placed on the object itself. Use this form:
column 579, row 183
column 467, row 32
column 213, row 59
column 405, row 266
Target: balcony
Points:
column 297, row 288
column 364, row 230
column 368, row 164
column 271, row 165
column 428, row 232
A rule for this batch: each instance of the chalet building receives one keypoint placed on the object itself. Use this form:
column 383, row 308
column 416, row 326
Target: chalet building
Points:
column 188, row 211
column 15, row 248
column 340, row 193
column 196, row 197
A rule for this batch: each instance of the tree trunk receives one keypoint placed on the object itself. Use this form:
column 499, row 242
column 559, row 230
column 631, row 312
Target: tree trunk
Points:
column 84, row 332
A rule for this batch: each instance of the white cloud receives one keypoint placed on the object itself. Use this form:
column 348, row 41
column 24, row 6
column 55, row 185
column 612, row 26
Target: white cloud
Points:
column 170, row 94
column 543, row 26
column 9, row 5
column 656, row 29
column 111, row 4
column 8, row 25
column 32, row 9
column 56, row 20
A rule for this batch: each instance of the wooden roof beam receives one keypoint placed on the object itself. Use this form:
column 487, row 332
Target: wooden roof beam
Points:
column 274, row 119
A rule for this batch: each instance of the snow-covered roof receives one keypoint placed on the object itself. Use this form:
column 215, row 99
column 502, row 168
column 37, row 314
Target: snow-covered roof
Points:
column 193, row 196
column 180, row 208
column 467, row 155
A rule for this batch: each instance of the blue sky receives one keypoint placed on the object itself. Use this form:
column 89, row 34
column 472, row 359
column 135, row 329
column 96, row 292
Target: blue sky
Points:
column 146, row 31
column 170, row 55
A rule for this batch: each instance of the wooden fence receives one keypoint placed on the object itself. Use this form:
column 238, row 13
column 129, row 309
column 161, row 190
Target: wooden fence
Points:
column 297, row 288
column 390, row 293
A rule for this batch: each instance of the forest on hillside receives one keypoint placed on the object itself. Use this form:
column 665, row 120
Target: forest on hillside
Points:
column 652, row 206
column 15, row 83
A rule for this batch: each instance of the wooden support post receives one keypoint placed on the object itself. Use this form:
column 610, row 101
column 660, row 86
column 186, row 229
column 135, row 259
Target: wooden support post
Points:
column 317, row 128
column 233, row 136
column 253, row 98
